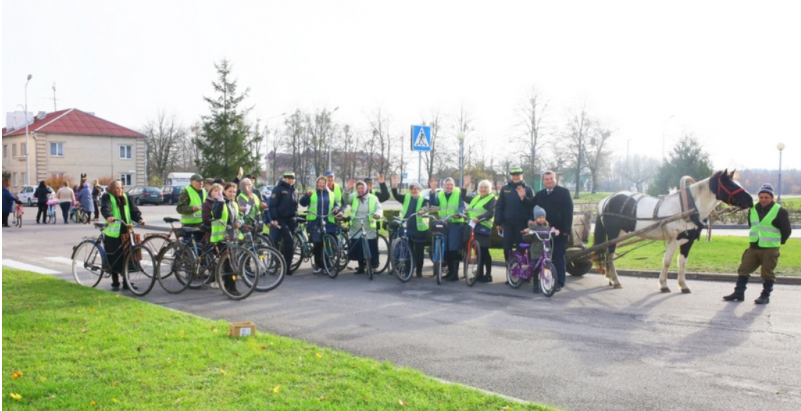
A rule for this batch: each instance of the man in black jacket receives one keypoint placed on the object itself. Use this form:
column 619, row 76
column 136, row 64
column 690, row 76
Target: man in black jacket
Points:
column 558, row 206
column 283, row 208
column 515, row 206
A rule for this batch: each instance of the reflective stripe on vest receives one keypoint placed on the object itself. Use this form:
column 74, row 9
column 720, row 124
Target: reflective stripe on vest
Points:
column 337, row 192
column 113, row 229
column 479, row 206
column 422, row 223
column 763, row 232
column 450, row 206
column 311, row 213
column 256, row 204
column 371, row 202
column 194, row 200
column 218, row 226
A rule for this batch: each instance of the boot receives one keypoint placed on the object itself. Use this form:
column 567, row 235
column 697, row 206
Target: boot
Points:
column 739, row 290
column 764, row 298
column 453, row 271
column 360, row 270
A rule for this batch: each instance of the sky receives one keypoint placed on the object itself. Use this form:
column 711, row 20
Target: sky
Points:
column 727, row 72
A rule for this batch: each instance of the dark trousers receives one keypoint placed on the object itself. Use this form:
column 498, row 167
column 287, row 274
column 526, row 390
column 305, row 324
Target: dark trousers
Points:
column 65, row 210
column 486, row 262
column 452, row 259
column 5, row 219
column 284, row 234
column 42, row 212
column 97, row 209
column 419, row 253
column 512, row 236
column 559, row 259
column 356, row 253
column 198, row 235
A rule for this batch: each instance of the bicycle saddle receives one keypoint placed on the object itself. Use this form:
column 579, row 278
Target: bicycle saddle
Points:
column 171, row 220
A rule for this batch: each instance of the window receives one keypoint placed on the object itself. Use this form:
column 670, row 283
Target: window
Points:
column 125, row 179
column 14, row 179
column 57, row 176
column 125, row 152
column 14, row 150
column 57, row 149
column 23, row 149
column 5, row 150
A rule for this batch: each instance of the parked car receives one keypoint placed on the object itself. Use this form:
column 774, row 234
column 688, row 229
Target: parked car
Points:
column 171, row 194
column 146, row 195
column 26, row 195
column 266, row 191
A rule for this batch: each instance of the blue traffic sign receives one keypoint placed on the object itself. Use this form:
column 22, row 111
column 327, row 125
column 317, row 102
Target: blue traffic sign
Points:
column 421, row 138
column 405, row 175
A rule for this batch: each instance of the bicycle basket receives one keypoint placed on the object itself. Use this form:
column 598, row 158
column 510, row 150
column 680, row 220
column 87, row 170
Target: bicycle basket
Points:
column 439, row 227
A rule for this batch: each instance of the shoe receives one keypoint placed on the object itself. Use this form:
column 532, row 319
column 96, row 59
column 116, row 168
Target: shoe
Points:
column 6, row 225
column 126, row 287
column 419, row 275
column 451, row 278
column 558, row 288
column 764, row 297
column 485, row 278
column 739, row 290
column 359, row 270
column 317, row 271
column 233, row 291
column 115, row 287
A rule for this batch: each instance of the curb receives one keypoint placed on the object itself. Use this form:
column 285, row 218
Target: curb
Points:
column 783, row 279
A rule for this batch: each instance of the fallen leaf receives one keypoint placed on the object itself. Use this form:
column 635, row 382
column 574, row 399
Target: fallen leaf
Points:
column 15, row 396
column 321, row 398
column 275, row 390
column 263, row 347
column 401, row 402
column 118, row 296
column 42, row 379
column 84, row 330
column 91, row 310
column 113, row 400
column 319, row 355
column 79, row 310
column 16, row 374
column 181, row 333
column 52, row 396
column 214, row 330
column 92, row 402
column 113, row 383
column 222, row 371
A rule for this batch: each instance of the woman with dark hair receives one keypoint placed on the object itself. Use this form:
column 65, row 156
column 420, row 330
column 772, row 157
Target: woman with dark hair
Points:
column 416, row 229
column 42, row 194
column 96, row 192
column 115, row 205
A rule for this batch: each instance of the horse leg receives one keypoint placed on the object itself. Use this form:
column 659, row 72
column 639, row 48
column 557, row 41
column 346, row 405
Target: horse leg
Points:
column 684, row 253
column 613, row 280
column 670, row 249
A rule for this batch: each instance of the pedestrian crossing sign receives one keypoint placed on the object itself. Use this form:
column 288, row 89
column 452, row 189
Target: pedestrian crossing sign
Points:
column 421, row 138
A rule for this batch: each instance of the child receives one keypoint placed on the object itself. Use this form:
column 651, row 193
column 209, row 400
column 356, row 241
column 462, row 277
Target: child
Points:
column 539, row 224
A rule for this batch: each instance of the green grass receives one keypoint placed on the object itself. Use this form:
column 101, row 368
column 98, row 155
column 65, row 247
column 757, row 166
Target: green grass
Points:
column 81, row 348
column 722, row 255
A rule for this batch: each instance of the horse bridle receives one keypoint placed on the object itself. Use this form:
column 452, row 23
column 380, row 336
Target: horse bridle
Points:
column 730, row 193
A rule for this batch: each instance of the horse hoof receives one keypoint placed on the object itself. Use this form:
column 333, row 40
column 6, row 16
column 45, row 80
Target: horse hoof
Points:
column 685, row 290
column 618, row 286
column 665, row 290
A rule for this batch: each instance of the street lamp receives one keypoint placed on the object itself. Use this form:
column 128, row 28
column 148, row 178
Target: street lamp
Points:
column 27, row 143
column 330, row 138
column 461, row 136
column 780, row 146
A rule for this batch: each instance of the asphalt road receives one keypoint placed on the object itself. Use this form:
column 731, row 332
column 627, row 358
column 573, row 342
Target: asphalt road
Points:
column 589, row 347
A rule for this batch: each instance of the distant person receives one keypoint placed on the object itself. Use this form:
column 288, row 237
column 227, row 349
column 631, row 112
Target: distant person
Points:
column 97, row 191
column 85, row 200
column 450, row 201
column 320, row 202
column 8, row 202
column 42, row 194
column 513, row 210
column 66, row 198
column 769, row 229
column 364, row 207
column 283, row 209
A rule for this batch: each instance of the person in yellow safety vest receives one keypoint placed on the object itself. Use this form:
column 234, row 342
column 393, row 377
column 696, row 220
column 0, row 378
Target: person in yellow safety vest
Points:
column 250, row 204
column 190, row 204
column 416, row 228
column 769, row 229
column 320, row 202
column 115, row 205
column 450, row 202
column 481, row 206
column 335, row 188
column 225, row 213
column 364, row 205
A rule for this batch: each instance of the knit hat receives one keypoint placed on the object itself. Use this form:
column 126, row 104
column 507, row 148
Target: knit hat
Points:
column 538, row 212
column 766, row 188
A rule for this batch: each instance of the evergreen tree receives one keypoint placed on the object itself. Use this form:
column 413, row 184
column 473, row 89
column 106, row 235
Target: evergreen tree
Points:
column 686, row 159
column 226, row 141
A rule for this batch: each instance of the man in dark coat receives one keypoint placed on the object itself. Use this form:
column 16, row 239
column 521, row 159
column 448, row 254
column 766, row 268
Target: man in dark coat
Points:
column 283, row 208
column 513, row 210
column 558, row 206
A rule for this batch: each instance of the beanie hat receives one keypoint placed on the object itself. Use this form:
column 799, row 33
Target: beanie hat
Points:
column 766, row 188
column 538, row 212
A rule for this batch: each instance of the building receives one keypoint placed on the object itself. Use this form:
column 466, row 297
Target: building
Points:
column 71, row 142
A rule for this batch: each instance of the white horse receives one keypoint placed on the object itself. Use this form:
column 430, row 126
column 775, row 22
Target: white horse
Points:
column 625, row 212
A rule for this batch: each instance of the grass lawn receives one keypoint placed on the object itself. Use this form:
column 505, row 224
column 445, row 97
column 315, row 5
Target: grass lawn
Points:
column 70, row 347
column 722, row 255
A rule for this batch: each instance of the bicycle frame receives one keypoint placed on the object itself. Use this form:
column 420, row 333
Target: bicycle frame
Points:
column 530, row 269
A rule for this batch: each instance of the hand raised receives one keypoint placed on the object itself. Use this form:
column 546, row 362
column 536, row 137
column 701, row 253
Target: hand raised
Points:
column 380, row 179
column 432, row 184
column 467, row 181
column 394, row 179
column 350, row 184
column 521, row 192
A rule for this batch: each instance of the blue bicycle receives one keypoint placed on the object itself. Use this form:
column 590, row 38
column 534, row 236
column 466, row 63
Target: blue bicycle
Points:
column 401, row 255
column 439, row 234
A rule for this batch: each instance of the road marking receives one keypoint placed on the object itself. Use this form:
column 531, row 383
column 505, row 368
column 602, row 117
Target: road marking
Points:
column 63, row 260
column 27, row 267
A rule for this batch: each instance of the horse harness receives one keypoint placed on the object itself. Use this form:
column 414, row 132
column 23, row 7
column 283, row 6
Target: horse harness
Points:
column 685, row 200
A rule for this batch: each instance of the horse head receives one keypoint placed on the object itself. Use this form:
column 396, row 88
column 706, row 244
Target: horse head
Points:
column 729, row 191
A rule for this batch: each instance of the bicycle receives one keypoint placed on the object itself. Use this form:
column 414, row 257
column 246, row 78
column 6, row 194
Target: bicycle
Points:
column 401, row 255
column 362, row 233
column 344, row 244
column 439, row 233
column 272, row 263
column 90, row 262
column 234, row 261
column 50, row 217
column 184, row 264
column 519, row 267
column 77, row 215
column 331, row 253
column 472, row 256
column 18, row 215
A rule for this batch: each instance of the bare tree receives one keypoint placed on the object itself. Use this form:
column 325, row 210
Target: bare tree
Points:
column 432, row 158
column 348, row 158
column 320, row 130
column 638, row 170
column 277, row 142
column 295, row 143
column 531, row 114
column 164, row 138
column 380, row 122
column 597, row 152
column 577, row 135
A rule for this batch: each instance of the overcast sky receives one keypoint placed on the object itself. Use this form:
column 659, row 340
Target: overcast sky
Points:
column 729, row 72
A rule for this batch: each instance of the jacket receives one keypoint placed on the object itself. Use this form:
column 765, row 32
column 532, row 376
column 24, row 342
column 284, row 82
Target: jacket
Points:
column 85, row 198
column 42, row 194
column 105, row 208
column 558, row 208
column 510, row 209
column 283, row 202
column 9, row 200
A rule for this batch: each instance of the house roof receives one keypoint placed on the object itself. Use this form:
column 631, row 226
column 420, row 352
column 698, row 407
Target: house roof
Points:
column 74, row 121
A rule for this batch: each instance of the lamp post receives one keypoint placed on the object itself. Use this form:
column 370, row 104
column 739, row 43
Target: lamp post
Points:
column 461, row 136
column 330, row 138
column 27, row 148
column 780, row 146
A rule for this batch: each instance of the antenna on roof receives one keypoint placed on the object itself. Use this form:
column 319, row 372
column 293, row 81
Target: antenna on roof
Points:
column 54, row 98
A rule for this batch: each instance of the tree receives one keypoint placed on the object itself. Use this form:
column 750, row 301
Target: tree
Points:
column 432, row 158
column 382, row 142
column 577, row 136
column 295, row 142
column 531, row 114
column 226, row 141
column 637, row 170
column 686, row 159
column 320, row 130
column 597, row 155
column 165, row 136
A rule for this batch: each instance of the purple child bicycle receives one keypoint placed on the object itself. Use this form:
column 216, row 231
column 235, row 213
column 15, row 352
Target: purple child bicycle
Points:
column 519, row 268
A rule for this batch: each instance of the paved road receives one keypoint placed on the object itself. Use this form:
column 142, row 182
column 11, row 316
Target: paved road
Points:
column 588, row 347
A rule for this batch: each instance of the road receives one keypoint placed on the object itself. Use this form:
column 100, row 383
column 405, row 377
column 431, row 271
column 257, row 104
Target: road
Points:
column 589, row 347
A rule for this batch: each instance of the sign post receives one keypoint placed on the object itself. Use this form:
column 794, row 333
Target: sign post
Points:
column 421, row 141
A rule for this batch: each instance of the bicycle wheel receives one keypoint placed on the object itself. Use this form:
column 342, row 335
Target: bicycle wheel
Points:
column 263, row 239
column 230, row 273
column 438, row 256
column 204, row 274
column 330, row 256
column 472, row 262
column 273, row 268
column 155, row 242
column 514, row 268
column 368, row 258
column 176, row 267
column 383, row 254
column 342, row 245
column 140, row 270
column 87, row 263
column 547, row 281
column 298, row 253
column 402, row 260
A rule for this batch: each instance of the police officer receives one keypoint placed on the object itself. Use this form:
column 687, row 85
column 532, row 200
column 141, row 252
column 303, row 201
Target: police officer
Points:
column 513, row 210
column 770, row 228
column 190, row 205
column 283, row 208
column 558, row 206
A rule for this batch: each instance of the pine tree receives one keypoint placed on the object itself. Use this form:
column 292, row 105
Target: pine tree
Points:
column 226, row 141
column 687, row 159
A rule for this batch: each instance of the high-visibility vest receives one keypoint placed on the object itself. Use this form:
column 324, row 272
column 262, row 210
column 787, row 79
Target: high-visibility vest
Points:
column 311, row 213
column 256, row 204
column 337, row 192
column 113, row 229
column 194, row 200
column 450, row 206
column 763, row 232
column 371, row 202
column 479, row 206
column 422, row 223
column 218, row 226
